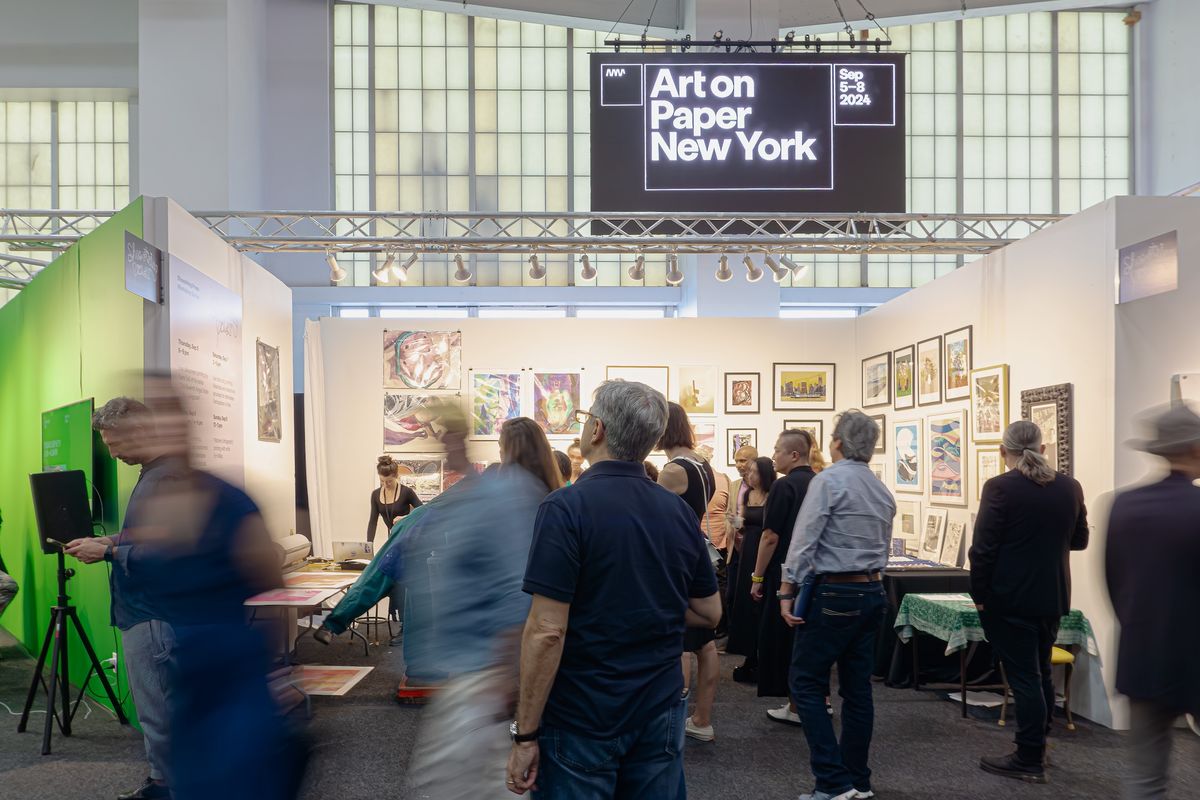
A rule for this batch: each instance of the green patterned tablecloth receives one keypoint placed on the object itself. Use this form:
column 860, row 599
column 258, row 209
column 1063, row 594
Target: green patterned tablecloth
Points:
column 953, row 619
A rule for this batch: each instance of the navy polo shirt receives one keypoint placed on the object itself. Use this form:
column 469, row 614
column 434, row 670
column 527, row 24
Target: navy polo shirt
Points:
column 627, row 555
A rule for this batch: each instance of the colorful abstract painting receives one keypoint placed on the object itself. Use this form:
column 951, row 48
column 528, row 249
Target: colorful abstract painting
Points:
column 422, row 359
column 555, row 401
column 495, row 399
column 406, row 425
column 906, row 456
column 947, row 471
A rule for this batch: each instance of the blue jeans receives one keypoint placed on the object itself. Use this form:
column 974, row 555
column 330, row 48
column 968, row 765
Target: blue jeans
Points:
column 645, row 763
column 148, row 650
column 840, row 629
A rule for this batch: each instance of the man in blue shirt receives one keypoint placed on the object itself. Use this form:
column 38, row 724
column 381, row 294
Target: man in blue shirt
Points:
column 617, row 570
column 840, row 544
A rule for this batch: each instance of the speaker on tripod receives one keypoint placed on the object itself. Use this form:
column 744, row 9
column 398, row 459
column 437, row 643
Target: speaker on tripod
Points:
column 60, row 501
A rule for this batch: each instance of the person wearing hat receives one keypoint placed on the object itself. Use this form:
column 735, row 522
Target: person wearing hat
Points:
column 1153, row 564
column 1030, row 519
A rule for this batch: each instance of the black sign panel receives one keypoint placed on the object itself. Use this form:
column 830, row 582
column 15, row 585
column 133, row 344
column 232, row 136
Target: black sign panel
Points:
column 143, row 268
column 747, row 133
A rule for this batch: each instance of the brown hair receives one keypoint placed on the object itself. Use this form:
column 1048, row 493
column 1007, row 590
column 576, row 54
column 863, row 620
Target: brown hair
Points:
column 679, row 431
column 387, row 467
column 576, row 444
column 564, row 464
column 524, row 444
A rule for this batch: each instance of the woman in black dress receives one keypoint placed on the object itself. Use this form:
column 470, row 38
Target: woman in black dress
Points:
column 744, row 613
column 391, row 500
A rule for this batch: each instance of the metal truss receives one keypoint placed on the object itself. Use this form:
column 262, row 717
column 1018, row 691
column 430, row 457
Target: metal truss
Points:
column 549, row 233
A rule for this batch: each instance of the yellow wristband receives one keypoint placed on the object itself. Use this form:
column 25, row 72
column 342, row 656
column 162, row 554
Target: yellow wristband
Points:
column 756, row 579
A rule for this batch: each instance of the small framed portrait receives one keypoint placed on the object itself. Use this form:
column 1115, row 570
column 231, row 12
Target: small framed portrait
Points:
column 743, row 392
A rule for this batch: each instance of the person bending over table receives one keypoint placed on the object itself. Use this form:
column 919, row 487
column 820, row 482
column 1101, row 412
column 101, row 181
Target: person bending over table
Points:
column 391, row 500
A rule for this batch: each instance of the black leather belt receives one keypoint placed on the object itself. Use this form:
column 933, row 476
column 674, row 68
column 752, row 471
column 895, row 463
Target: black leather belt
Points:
column 858, row 577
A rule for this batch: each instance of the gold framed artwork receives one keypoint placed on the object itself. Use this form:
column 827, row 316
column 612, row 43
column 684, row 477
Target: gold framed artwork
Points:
column 929, row 371
column 904, row 377
column 958, row 363
column 988, row 464
column 657, row 378
column 989, row 403
column 798, row 387
column 698, row 390
column 743, row 392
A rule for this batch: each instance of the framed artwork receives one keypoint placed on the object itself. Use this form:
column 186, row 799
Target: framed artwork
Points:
column 698, row 389
column 815, row 427
column 422, row 475
column 933, row 529
column 929, row 371
column 657, row 378
column 877, row 468
column 804, row 386
column 988, row 464
column 956, row 528
column 556, row 398
column 989, row 403
column 270, row 421
column 881, row 442
column 407, row 425
column 958, row 363
column 743, row 392
column 903, row 371
column 422, row 359
column 495, row 399
column 906, row 526
column 705, row 433
column 736, row 439
column 1050, row 408
column 877, row 380
column 947, row 469
column 907, row 462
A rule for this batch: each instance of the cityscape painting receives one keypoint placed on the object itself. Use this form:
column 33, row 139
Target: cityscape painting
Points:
column 804, row 386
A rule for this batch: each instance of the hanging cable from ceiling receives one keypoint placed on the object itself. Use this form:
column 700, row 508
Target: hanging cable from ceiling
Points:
column 618, row 22
column 871, row 17
column 849, row 30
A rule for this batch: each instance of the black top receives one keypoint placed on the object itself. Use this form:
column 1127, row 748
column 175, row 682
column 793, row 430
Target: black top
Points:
column 627, row 555
column 752, row 516
column 701, row 486
column 406, row 501
column 1153, row 557
column 783, row 506
column 1021, row 552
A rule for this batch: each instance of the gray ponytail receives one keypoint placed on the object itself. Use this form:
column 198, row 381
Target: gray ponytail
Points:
column 1023, row 439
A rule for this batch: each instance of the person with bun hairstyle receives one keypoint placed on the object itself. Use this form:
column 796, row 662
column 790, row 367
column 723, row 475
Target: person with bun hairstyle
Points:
column 392, row 500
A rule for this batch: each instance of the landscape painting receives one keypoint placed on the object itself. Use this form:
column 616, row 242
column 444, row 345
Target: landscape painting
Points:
column 877, row 380
column 903, row 369
column 801, row 386
column 958, row 363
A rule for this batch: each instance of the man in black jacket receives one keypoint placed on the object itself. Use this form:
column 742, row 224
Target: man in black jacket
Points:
column 1030, row 519
column 1153, row 560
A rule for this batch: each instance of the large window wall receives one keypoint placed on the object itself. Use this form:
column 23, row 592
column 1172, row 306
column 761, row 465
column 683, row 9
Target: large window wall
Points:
column 1025, row 113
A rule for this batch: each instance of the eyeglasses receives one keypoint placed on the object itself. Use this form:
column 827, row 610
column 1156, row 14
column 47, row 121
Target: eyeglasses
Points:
column 582, row 416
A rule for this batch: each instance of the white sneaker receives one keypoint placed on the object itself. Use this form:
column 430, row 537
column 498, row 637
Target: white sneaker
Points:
column 847, row 795
column 784, row 714
column 704, row 734
column 861, row 795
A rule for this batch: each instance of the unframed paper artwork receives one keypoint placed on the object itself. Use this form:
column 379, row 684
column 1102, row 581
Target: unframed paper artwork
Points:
column 955, row 528
column 931, row 534
column 495, row 399
column 698, row 389
column 422, row 359
column 406, row 425
column 945, row 458
column 555, row 401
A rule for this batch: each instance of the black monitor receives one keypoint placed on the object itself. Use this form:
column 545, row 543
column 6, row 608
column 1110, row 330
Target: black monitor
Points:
column 60, row 501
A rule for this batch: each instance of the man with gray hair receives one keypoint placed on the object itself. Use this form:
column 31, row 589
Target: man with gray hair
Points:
column 617, row 569
column 836, row 558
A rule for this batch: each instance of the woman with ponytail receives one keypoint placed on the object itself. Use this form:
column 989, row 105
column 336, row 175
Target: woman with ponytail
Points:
column 1030, row 519
column 392, row 500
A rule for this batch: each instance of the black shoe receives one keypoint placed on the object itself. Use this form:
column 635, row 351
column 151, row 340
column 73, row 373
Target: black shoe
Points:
column 1010, row 766
column 744, row 674
column 148, row 791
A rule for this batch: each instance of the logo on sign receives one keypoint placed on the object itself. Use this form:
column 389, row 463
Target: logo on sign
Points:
column 621, row 85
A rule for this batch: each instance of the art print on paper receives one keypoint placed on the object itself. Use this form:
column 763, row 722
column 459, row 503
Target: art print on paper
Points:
column 932, row 531
column 1045, row 416
column 958, row 363
column 736, row 439
column 929, row 371
column 906, row 456
column 815, row 428
column 407, row 422
column 904, row 377
column 877, row 380
column 495, row 399
column 876, row 468
column 422, row 359
column 947, row 470
column 422, row 475
column 1049, row 407
column 952, row 546
column 654, row 377
column 556, row 397
column 988, row 464
column 989, row 403
column 906, row 527
column 270, row 420
column 705, row 434
column 742, row 392
column 698, row 389
column 804, row 386
column 881, row 442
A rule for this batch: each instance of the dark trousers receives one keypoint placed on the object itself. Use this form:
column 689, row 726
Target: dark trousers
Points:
column 646, row 763
column 840, row 628
column 1023, row 646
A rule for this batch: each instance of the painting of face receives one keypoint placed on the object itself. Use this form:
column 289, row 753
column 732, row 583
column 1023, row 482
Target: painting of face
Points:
column 422, row 359
column 495, row 399
column 555, row 399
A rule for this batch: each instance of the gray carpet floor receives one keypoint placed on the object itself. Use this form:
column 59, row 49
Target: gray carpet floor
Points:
column 923, row 749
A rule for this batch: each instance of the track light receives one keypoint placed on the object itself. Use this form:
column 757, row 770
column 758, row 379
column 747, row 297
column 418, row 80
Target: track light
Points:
column 637, row 272
column 381, row 274
column 461, row 274
column 674, row 274
column 536, row 270
column 753, row 273
column 336, row 273
column 588, row 273
column 779, row 272
column 797, row 269
column 402, row 271
column 724, row 273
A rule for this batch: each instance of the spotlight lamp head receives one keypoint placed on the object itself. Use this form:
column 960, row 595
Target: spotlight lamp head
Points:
column 790, row 37
column 779, row 272
column 674, row 274
column 724, row 273
column 719, row 35
column 461, row 273
column 382, row 274
column 536, row 270
column 336, row 273
column 753, row 273
column 637, row 272
column 402, row 271
column 588, row 272
column 797, row 269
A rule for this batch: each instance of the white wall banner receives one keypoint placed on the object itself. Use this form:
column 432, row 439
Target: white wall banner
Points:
column 206, row 362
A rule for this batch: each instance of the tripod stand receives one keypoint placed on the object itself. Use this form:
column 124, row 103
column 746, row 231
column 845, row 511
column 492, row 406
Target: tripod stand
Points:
column 59, row 673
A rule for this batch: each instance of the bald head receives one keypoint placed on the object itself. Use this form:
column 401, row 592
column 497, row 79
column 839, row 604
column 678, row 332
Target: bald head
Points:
column 743, row 457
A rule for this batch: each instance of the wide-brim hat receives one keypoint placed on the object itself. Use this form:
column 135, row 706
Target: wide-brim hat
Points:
column 1176, row 430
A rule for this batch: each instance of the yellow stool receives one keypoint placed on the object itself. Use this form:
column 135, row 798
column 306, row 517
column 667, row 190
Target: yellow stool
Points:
column 1059, row 657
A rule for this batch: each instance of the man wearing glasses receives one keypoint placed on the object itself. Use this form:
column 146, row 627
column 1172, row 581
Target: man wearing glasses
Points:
column 617, row 569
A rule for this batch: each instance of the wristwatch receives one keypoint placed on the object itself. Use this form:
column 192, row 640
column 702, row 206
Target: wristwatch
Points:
column 782, row 596
column 519, row 737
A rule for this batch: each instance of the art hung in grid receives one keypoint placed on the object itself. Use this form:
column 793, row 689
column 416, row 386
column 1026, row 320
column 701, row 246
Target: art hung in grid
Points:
column 947, row 469
column 903, row 377
column 907, row 447
column 804, row 386
column 656, row 378
column 556, row 398
column 929, row 371
column 1049, row 407
column 422, row 359
column 815, row 427
column 932, row 531
column 988, row 464
column 736, row 439
column 743, row 392
column 407, row 422
column 877, row 380
column 958, row 363
column 698, row 389
column 270, row 419
column 495, row 399
column 906, row 528
column 989, row 403
column 881, row 442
